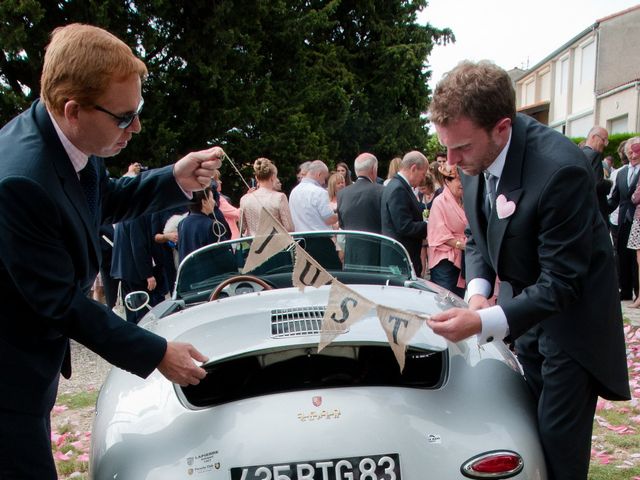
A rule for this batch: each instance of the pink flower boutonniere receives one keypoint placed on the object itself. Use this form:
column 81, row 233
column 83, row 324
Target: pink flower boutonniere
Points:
column 504, row 207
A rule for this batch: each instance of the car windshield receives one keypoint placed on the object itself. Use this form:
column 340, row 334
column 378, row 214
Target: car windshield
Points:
column 351, row 257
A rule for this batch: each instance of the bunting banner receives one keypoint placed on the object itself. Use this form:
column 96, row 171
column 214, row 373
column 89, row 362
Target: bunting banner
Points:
column 400, row 327
column 344, row 308
column 271, row 238
column 307, row 272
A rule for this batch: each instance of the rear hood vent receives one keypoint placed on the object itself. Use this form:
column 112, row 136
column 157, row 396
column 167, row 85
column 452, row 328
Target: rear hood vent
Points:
column 296, row 321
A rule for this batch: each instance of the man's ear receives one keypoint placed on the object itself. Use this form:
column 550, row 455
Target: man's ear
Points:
column 71, row 111
column 503, row 124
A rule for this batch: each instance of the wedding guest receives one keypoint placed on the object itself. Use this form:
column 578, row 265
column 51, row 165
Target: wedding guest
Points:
column 265, row 196
column 231, row 213
column 343, row 169
column 445, row 233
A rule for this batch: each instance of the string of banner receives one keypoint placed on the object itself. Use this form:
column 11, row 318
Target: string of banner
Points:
column 345, row 307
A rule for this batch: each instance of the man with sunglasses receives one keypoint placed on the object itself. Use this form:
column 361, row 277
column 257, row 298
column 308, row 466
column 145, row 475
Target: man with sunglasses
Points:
column 54, row 194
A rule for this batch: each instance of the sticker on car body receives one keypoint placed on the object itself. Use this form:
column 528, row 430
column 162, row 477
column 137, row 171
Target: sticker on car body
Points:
column 380, row 467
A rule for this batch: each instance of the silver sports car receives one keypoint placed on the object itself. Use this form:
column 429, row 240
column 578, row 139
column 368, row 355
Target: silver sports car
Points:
column 273, row 407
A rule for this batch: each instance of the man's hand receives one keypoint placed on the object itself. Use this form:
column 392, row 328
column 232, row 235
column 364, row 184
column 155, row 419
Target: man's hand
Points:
column 455, row 324
column 172, row 237
column 195, row 170
column 151, row 284
column 177, row 364
column 478, row 302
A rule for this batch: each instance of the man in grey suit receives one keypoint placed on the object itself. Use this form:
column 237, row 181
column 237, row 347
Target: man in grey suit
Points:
column 401, row 211
column 359, row 209
column 534, row 223
column 625, row 184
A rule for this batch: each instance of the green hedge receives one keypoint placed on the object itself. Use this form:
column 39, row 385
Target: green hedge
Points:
column 612, row 148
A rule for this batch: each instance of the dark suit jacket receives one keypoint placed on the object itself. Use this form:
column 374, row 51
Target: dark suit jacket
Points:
column 194, row 231
column 402, row 218
column 603, row 186
column 553, row 254
column 359, row 209
column 49, row 257
column 621, row 196
column 132, row 258
column 359, row 206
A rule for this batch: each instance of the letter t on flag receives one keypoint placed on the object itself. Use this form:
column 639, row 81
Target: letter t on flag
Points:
column 345, row 307
column 270, row 238
column 400, row 327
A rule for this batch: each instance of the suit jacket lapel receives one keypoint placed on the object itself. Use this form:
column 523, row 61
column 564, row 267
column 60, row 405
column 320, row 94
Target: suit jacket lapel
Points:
column 473, row 195
column 68, row 177
column 511, row 187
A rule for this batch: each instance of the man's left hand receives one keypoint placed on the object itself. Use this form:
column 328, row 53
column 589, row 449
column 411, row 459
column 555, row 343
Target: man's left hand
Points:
column 456, row 324
column 195, row 170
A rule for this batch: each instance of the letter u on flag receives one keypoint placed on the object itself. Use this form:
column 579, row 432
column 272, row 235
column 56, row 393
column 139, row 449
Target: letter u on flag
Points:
column 344, row 308
column 271, row 237
column 307, row 272
column 400, row 327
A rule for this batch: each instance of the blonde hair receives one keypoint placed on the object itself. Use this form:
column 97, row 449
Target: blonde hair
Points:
column 80, row 62
column 394, row 167
column 331, row 184
column 264, row 169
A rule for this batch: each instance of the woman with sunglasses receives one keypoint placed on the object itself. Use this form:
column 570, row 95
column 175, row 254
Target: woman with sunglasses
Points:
column 445, row 233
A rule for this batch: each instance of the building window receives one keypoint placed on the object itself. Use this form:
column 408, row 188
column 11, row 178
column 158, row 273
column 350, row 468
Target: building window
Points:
column 588, row 63
column 618, row 125
column 564, row 76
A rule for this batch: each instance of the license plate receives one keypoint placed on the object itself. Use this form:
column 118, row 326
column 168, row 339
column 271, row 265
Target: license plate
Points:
column 372, row 467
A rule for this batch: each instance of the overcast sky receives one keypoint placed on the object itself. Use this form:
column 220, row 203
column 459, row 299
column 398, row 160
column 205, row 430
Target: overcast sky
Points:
column 512, row 33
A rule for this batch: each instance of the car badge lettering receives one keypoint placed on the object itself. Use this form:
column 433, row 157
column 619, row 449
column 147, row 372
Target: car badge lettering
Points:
column 317, row 401
column 316, row 415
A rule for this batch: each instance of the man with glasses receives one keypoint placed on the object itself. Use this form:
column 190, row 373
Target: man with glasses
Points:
column 54, row 194
column 595, row 143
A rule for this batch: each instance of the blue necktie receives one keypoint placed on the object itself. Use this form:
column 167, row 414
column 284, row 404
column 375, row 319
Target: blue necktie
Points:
column 89, row 183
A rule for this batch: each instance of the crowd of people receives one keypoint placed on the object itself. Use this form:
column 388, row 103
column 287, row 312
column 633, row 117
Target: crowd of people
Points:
column 423, row 211
column 421, row 207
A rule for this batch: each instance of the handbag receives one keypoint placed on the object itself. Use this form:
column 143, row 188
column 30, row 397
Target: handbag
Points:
column 119, row 308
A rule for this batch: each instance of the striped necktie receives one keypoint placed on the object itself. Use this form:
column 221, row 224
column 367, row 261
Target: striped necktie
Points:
column 489, row 193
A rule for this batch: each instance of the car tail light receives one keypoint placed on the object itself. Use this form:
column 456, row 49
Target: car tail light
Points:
column 495, row 464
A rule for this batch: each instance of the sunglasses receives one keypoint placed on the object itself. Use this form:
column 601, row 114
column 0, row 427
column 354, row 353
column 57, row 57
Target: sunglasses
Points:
column 124, row 121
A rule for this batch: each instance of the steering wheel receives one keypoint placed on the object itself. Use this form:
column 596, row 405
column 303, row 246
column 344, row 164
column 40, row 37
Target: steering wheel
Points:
column 237, row 279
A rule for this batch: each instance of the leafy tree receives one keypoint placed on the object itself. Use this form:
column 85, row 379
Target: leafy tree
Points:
column 292, row 80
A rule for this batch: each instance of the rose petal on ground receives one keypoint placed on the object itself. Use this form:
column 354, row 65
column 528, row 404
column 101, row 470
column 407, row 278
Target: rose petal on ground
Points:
column 78, row 444
column 83, row 458
column 59, row 409
column 61, row 457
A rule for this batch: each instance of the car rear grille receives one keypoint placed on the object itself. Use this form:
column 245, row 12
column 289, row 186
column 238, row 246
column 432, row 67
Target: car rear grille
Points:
column 296, row 322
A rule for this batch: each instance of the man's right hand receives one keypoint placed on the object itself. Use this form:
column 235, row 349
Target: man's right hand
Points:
column 178, row 365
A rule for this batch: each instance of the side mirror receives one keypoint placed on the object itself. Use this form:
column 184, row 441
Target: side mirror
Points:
column 136, row 301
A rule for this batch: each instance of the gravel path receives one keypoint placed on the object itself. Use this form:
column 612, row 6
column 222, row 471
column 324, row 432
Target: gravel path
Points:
column 89, row 371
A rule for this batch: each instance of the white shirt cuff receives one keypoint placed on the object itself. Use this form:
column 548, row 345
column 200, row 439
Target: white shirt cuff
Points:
column 494, row 325
column 478, row 286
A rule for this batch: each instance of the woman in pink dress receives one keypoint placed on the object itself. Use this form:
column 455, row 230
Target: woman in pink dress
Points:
column 445, row 233
column 231, row 213
column 265, row 196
